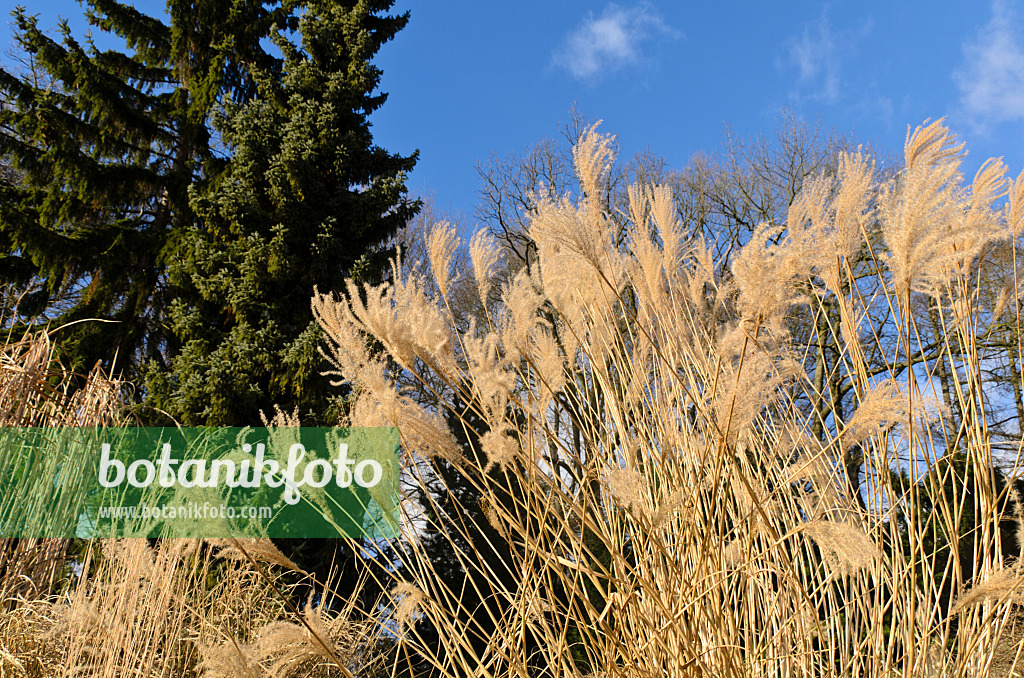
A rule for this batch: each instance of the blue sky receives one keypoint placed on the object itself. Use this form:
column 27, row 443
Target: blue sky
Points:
column 470, row 78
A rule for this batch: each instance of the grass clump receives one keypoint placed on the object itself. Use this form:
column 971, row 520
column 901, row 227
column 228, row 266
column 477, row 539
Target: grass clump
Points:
column 623, row 457
column 682, row 470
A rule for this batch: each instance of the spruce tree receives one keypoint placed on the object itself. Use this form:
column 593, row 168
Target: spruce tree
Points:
column 105, row 146
column 191, row 189
column 304, row 201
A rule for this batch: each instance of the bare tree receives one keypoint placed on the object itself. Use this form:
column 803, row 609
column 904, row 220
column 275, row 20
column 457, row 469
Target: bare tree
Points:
column 726, row 195
column 514, row 185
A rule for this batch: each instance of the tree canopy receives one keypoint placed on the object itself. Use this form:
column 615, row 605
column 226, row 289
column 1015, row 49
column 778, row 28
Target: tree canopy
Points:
column 180, row 196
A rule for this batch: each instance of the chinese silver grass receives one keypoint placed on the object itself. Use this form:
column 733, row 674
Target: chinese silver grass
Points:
column 923, row 211
column 692, row 514
column 486, row 257
column 442, row 244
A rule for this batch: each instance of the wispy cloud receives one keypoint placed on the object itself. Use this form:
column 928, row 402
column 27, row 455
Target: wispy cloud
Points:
column 991, row 79
column 874, row 105
column 815, row 54
column 608, row 42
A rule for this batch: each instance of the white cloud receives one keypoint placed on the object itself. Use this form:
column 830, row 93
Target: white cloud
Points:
column 991, row 79
column 608, row 42
column 816, row 57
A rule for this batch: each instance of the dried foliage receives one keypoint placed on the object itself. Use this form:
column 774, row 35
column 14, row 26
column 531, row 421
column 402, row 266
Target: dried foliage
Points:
column 182, row 607
column 674, row 492
column 653, row 480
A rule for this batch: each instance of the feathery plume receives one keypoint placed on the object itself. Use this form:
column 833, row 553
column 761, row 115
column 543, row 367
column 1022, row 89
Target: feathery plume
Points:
column 522, row 301
column 1015, row 207
column 423, row 431
column 765, row 275
column 228, row 659
column 547, row 359
column 486, row 256
column 320, row 639
column 260, row 550
column 500, row 449
column 846, row 545
column 932, row 226
column 592, row 156
column 850, row 209
column 492, row 378
column 628, row 486
column 347, row 345
column 883, row 405
column 442, row 243
column 405, row 320
column 670, row 228
column 409, row 603
column 1002, row 584
column 828, row 218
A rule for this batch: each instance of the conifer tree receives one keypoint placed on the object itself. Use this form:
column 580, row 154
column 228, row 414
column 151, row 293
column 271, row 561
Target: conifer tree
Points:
column 105, row 145
column 306, row 197
column 191, row 190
